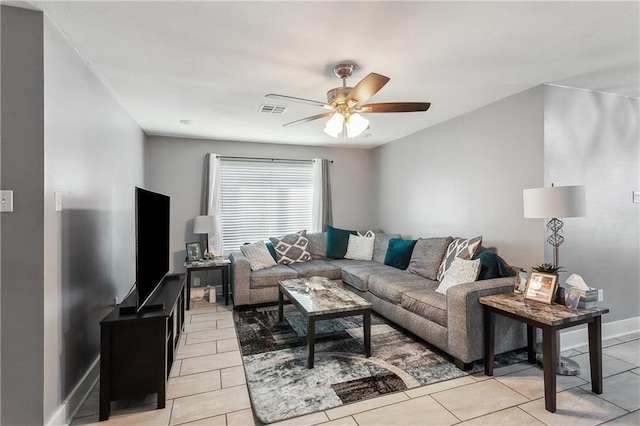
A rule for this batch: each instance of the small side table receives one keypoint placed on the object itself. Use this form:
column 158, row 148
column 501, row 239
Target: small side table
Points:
column 221, row 263
column 550, row 318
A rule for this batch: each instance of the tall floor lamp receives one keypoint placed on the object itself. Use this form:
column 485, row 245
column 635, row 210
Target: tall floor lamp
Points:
column 554, row 203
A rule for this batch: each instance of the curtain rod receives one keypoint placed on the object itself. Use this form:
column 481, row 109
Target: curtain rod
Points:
column 225, row 157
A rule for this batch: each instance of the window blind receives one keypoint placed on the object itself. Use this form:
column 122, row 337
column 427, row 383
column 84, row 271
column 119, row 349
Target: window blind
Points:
column 259, row 200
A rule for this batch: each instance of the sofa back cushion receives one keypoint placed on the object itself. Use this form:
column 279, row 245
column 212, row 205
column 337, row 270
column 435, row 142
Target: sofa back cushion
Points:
column 399, row 253
column 427, row 256
column 317, row 244
column 380, row 246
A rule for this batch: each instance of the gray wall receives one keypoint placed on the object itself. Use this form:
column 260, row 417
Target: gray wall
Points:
column 62, row 131
column 94, row 157
column 465, row 178
column 593, row 139
column 22, row 170
column 175, row 167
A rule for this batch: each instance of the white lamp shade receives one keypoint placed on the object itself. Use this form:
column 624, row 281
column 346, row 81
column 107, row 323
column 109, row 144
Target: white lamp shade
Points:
column 334, row 125
column 554, row 202
column 356, row 125
column 205, row 224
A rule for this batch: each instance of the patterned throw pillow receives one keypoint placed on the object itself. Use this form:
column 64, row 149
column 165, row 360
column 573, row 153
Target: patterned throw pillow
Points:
column 459, row 247
column 258, row 256
column 461, row 271
column 361, row 246
column 292, row 248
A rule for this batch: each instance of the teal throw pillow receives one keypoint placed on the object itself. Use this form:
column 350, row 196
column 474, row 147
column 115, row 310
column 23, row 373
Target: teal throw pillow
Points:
column 399, row 253
column 492, row 266
column 337, row 242
column 272, row 250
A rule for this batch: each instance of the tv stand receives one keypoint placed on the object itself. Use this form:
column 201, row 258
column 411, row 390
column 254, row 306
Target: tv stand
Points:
column 137, row 348
column 128, row 310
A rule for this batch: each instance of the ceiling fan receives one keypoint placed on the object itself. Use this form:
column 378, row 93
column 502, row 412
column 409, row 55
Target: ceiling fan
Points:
column 346, row 103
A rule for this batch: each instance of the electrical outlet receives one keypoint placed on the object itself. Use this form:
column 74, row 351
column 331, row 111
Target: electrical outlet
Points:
column 196, row 282
column 6, row 201
column 636, row 197
column 600, row 295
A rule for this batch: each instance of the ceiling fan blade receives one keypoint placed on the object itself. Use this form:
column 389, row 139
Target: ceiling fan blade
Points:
column 367, row 87
column 299, row 100
column 307, row 119
column 396, row 107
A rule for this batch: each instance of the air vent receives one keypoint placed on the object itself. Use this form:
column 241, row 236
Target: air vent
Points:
column 272, row 109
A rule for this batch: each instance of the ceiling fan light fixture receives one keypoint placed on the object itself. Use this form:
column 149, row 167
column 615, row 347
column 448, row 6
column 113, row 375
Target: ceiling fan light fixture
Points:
column 334, row 125
column 356, row 124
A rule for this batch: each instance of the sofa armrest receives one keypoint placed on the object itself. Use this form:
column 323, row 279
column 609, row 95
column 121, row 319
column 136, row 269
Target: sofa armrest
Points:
column 465, row 323
column 241, row 278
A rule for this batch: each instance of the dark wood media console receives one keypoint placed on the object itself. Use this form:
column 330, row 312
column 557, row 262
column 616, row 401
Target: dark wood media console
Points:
column 138, row 349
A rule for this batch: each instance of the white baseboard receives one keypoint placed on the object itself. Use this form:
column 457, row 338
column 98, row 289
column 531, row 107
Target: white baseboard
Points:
column 76, row 398
column 579, row 337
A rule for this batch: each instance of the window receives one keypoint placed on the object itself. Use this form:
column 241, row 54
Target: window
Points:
column 259, row 200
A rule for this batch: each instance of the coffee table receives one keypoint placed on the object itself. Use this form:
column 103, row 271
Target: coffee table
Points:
column 334, row 302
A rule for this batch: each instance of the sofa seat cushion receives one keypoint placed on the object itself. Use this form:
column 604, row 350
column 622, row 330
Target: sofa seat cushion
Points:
column 358, row 275
column 389, row 285
column 269, row 277
column 316, row 268
column 428, row 304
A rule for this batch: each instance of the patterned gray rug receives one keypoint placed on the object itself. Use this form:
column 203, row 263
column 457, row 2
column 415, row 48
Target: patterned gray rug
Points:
column 280, row 385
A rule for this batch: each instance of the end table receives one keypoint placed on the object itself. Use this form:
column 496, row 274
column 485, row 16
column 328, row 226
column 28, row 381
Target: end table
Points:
column 220, row 262
column 550, row 318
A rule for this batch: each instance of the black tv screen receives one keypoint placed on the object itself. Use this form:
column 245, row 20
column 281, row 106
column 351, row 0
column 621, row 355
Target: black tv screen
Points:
column 152, row 242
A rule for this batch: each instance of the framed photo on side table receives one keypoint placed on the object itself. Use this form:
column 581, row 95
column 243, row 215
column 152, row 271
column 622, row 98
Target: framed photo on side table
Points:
column 541, row 287
column 194, row 252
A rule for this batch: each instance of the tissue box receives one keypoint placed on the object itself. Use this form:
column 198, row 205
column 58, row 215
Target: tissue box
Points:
column 588, row 298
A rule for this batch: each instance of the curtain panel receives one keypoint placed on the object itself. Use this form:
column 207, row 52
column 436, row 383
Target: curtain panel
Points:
column 322, row 213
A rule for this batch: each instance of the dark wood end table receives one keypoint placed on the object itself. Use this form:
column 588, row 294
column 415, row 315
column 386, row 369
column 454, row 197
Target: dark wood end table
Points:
column 222, row 263
column 550, row 318
column 335, row 302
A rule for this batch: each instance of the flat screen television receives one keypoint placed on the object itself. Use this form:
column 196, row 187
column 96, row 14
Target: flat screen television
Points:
column 152, row 244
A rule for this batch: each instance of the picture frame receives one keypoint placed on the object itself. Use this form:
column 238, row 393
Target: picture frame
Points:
column 520, row 285
column 541, row 287
column 194, row 251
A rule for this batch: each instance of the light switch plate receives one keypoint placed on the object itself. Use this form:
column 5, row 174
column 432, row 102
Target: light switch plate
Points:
column 58, row 201
column 636, row 197
column 6, row 201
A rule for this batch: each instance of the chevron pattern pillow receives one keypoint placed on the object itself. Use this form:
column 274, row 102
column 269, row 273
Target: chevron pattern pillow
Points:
column 292, row 248
column 459, row 247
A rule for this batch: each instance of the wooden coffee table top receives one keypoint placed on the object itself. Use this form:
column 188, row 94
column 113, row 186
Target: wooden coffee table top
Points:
column 333, row 300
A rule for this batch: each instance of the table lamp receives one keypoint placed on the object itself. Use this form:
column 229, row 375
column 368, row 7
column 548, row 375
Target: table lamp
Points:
column 207, row 224
column 554, row 203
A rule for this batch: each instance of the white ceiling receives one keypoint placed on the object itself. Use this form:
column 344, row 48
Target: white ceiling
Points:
column 212, row 62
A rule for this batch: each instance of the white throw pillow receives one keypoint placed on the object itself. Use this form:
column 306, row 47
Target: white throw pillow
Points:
column 361, row 246
column 461, row 271
column 258, row 256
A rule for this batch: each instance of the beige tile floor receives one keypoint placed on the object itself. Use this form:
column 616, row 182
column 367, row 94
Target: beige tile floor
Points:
column 207, row 387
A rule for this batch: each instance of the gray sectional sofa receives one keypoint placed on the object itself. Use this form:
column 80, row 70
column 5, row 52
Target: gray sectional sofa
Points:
column 451, row 322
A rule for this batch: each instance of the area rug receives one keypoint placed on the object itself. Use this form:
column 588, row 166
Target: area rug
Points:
column 280, row 385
